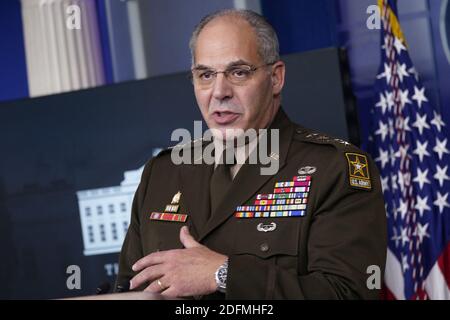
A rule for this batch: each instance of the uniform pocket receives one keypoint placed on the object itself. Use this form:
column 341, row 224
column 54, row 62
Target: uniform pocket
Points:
column 267, row 237
column 161, row 235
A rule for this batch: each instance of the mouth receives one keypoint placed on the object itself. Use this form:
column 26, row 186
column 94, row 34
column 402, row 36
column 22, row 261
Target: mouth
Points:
column 224, row 117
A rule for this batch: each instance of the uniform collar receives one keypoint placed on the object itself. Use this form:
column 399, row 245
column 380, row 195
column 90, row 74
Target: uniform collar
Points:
column 280, row 122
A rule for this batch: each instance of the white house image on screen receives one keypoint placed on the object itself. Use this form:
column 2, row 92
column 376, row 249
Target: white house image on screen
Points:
column 105, row 214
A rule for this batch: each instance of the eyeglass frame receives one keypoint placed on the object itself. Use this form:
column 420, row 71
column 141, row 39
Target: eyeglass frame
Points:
column 226, row 71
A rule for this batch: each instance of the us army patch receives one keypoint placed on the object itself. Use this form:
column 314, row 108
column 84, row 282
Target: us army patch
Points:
column 358, row 170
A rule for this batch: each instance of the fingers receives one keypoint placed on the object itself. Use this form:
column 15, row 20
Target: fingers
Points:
column 170, row 293
column 186, row 239
column 147, row 275
column 158, row 285
column 149, row 260
column 163, row 288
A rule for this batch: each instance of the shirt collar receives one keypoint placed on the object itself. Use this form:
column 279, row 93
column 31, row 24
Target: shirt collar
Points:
column 241, row 152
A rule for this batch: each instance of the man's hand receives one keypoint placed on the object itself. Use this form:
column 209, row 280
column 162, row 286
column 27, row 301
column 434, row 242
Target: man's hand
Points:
column 179, row 272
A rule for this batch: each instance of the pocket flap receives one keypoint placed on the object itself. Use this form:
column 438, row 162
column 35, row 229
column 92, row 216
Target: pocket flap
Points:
column 267, row 237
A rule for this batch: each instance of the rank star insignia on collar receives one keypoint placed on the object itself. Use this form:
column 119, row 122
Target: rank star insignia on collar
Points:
column 358, row 169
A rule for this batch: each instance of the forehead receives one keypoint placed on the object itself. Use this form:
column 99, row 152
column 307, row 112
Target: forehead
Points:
column 225, row 40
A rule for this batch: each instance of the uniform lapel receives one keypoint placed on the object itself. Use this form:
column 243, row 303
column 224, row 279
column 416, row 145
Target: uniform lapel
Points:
column 194, row 181
column 249, row 179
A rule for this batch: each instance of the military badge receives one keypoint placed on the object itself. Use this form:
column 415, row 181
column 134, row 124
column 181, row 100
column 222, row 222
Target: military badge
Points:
column 358, row 170
column 176, row 198
column 266, row 227
column 170, row 211
column 307, row 170
column 172, row 208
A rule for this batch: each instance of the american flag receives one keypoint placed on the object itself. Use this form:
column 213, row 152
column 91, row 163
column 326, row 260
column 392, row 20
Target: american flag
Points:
column 410, row 145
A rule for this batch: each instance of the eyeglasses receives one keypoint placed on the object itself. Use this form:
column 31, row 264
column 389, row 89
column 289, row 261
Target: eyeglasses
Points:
column 237, row 75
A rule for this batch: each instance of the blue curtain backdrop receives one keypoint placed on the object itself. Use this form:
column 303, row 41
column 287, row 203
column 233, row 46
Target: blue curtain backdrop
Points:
column 13, row 72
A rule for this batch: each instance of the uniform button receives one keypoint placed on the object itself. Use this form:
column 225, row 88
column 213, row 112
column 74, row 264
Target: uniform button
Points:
column 264, row 247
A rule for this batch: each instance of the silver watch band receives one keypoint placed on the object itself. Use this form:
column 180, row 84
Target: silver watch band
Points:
column 221, row 277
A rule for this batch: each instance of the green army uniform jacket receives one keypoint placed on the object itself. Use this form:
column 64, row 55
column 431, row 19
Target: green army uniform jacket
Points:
column 324, row 254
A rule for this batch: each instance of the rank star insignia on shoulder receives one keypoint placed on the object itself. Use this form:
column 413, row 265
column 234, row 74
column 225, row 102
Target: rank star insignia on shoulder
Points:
column 320, row 138
column 192, row 143
column 179, row 146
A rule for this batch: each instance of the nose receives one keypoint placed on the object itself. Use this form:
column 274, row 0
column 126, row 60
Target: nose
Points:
column 222, row 89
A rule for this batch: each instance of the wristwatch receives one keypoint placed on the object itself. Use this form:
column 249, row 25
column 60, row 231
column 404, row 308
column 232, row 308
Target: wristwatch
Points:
column 221, row 277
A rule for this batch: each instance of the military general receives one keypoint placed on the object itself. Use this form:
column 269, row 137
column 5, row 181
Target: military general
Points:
column 224, row 230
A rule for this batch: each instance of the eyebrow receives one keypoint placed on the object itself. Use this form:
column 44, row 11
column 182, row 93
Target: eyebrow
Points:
column 239, row 62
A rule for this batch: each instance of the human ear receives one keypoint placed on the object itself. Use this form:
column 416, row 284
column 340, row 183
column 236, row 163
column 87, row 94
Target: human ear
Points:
column 278, row 73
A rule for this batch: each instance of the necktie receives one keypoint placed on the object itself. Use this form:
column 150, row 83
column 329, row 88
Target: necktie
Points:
column 221, row 180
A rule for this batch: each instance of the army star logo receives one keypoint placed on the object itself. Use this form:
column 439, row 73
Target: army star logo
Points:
column 358, row 171
column 358, row 167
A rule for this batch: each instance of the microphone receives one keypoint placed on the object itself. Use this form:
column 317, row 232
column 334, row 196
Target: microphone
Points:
column 124, row 286
column 103, row 288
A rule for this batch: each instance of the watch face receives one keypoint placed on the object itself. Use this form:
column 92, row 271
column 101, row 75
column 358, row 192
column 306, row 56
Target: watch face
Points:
column 222, row 275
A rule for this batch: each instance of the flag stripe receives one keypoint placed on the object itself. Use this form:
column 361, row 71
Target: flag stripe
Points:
column 435, row 284
column 394, row 276
column 444, row 264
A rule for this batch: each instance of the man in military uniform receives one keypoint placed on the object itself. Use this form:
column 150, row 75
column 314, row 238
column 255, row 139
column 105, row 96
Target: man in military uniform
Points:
column 309, row 231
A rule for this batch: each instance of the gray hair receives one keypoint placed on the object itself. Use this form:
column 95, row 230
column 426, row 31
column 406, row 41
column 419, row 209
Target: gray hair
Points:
column 266, row 36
